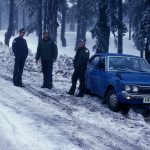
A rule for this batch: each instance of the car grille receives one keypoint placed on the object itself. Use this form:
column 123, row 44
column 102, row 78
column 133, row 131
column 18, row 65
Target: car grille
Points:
column 144, row 89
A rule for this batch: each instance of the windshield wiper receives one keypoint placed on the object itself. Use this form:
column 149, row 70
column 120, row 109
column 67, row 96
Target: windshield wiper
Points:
column 140, row 70
column 124, row 69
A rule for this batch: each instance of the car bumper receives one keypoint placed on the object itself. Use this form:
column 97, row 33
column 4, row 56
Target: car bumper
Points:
column 134, row 96
column 136, row 99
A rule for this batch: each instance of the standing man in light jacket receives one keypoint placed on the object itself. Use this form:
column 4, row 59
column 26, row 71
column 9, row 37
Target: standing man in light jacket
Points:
column 47, row 51
column 20, row 50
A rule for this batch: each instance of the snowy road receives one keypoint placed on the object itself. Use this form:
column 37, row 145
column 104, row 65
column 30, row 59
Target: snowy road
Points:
column 32, row 118
column 36, row 119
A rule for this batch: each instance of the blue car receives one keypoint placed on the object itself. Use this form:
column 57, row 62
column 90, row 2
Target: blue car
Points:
column 122, row 80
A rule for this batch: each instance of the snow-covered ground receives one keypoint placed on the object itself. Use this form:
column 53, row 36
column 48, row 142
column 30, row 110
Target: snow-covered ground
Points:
column 32, row 118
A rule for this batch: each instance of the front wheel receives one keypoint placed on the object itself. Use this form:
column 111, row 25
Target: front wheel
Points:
column 112, row 101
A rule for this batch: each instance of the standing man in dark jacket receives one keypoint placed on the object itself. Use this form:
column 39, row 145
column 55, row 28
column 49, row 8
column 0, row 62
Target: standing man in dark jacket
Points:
column 80, row 64
column 20, row 49
column 47, row 51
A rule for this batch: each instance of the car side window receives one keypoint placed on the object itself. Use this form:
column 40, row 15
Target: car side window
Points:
column 101, row 64
column 94, row 62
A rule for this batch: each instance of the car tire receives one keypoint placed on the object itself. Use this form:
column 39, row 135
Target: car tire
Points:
column 104, row 100
column 125, row 109
column 112, row 101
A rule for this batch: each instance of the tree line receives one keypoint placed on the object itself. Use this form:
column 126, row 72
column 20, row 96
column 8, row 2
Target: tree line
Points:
column 100, row 17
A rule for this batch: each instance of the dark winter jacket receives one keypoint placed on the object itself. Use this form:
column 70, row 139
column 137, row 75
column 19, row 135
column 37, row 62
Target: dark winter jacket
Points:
column 81, row 58
column 47, row 50
column 19, row 47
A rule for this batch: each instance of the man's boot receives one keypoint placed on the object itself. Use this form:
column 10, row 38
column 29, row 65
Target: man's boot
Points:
column 80, row 94
column 71, row 91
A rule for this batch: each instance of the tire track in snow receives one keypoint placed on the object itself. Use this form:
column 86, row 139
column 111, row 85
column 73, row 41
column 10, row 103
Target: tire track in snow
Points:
column 83, row 126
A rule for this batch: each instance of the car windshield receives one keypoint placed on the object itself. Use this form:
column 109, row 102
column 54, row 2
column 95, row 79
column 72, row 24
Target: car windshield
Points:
column 128, row 64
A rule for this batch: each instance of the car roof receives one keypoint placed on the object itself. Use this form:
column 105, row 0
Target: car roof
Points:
column 115, row 54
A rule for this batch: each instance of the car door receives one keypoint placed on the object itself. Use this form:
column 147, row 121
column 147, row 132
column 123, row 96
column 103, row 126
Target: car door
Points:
column 99, row 76
column 91, row 66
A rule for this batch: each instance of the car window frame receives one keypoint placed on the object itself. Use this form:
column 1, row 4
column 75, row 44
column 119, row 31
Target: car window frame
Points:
column 100, row 56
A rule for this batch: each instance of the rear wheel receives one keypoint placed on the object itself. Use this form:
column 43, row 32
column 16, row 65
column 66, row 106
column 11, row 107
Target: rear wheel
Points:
column 112, row 101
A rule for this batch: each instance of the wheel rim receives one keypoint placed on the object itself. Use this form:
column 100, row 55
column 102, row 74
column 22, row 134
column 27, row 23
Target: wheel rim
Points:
column 113, row 100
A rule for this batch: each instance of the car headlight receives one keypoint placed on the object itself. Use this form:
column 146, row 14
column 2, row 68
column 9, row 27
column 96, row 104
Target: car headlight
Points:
column 135, row 89
column 131, row 88
column 128, row 88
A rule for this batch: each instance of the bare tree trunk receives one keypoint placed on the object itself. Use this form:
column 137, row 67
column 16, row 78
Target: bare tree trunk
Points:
column 81, row 22
column 45, row 14
column 55, row 23
column 78, row 31
column 142, row 54
column 8, row 34
column 130, row 28
column 63, row 25
column 23, row 18
column 40, row 21
column 83, row 30
column 0, row 16
column 72, row 19
column 15, row 21
column 52, row 18
column 6, row 9
column 72, row 25
column 120, row 27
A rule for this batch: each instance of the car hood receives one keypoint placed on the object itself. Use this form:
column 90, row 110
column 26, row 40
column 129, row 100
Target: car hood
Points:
column 142, row 78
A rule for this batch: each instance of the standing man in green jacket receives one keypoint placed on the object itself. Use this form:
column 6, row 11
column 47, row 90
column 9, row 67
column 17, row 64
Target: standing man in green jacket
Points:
column 80, row 65
column 47, row 51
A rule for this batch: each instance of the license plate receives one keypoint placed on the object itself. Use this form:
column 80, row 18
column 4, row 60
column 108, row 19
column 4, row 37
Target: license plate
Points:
column 146, row 100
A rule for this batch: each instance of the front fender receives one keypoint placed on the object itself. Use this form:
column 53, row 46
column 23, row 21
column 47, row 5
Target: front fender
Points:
column 116, row 83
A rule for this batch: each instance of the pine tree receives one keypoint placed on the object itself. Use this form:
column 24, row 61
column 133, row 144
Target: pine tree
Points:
column 32, row 8
column 84, row 12
column 144, row 32
column 140, row 10
column 129, row 11
column 35, row 11
column 72, row 14
column 101, row 30
column 145, row 27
